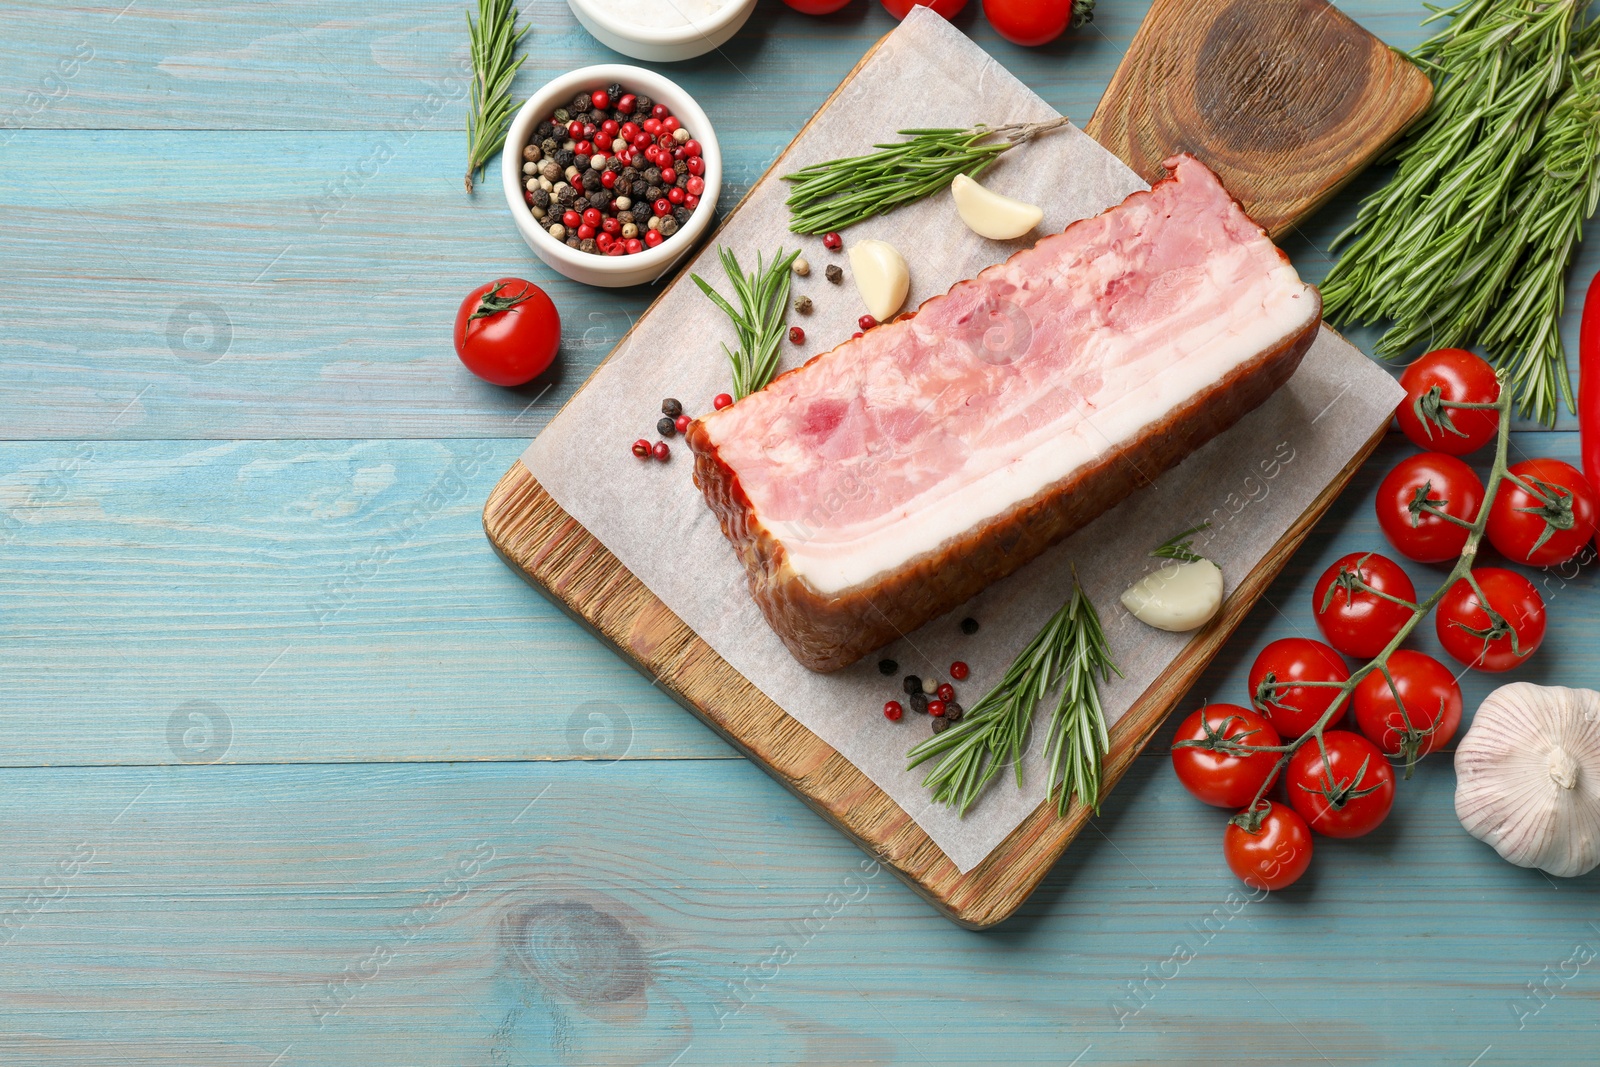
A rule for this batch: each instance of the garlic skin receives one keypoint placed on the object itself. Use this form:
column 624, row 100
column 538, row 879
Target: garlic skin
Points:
column 1178, row 597
column 991, row 214
column 881, row 276
column 1528, row 777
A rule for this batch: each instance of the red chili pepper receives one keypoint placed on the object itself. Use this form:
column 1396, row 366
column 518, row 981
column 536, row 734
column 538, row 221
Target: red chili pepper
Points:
column 1589, row 383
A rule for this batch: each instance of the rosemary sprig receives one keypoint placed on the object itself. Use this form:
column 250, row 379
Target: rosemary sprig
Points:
column 839, row 192
column 1070, row 651
column 1181, row 546
column 494, row 63
column 758, row 322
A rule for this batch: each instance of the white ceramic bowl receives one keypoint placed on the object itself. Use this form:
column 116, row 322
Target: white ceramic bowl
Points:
column 662, row 45
column 586, row 267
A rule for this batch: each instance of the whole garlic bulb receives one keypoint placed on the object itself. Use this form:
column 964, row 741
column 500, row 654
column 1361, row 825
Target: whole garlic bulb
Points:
column 1528, row 777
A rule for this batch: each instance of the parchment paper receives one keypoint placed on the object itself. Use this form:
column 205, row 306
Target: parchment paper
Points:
column 1251, row 482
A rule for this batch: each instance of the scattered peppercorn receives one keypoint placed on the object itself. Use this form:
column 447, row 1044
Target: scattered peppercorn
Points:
column 832, row 242
column 912, row 684
column 946, row 691
column 940, row 725
column 888, row 667
column 641, row 448
column 801, row 267
column 797, row 336
column 835, row 273
column 969, row 626
column 721, row 400
column 953, row 712
column 672, row 406
column 666, row 427
column 930, row 686
column 660, row 451
column 919, row 702
column 958, row 671
column 892, row 711
column 866, row 322
column 803, row 305
column 681, row 423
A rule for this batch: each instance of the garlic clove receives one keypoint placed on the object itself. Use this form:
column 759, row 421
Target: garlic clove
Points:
column 1179, row 597
column 991, row 214
column 1528, row 777
column 881, row 276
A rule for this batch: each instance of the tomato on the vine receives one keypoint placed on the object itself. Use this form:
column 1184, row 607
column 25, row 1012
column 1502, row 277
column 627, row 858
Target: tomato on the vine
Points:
column 1496, row 639
column 1208, row 770
column 1411, row 497
column 1293, row 709
column 816, row 7
column 1033, row 22
column 1549, row 528
column 507, row 331
column 1449, row 374
column 1416, row 715
column 901, row 8
column 1349, row 611
column 1344, row 787
column 1268, row 848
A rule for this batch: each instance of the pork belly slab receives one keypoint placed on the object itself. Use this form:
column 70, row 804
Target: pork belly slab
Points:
column 889, row 480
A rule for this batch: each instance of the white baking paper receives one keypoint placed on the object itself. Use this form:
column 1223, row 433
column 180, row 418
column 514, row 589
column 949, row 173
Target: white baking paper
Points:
column 1252, row 482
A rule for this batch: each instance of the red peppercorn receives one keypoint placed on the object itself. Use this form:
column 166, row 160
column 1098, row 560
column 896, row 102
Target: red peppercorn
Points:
column 583, row 148
column 625, row 103
column 958, row 671
column 602, row 100
column 615, row 248
column 660, row 111
column 691, row 201
column 946, row 692
column 797, row 336
column 628, row 131
column 591, row 215
column 670, row 123
column 652, row 127
column 866, row 322
column 677, row 154
column 575, row 130
column 588, row 130
column 611, row 226
column 602, row 240
column 681, row 423
column 585, row 232
column 694, row 186
column 634, row 245
column 691, row 147
column 936, row 708
column 855, row 335
column 527, row 196
column 641, row 448
column 721, row 400
column 663, row 207
column 676, row 195
column 892, row 711
column 661, row 452
column 571, row 219
column 609, row 128
column 667, row 143
column 697, row 166
column 608, row 179
column 832, row 242
column 641, row 140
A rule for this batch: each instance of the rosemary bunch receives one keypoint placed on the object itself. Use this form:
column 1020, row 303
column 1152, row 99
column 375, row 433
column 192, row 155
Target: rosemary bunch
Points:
column 494, row 63
column 1070, row 651
column 758, row 321
column 839, row 192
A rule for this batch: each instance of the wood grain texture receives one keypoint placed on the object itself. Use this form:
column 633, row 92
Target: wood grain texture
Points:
column 1286, row 100
column 561, row 559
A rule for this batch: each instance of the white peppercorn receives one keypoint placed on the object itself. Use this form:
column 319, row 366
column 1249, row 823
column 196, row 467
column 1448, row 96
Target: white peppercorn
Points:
column 630, row 230
column 654, row 223
column 530, row 167
column 680, row 135
column 558, row 231
column 624, row 203
column 801, row 267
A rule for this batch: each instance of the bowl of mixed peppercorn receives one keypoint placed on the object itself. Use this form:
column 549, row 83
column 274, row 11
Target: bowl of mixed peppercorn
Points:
column 611, row 173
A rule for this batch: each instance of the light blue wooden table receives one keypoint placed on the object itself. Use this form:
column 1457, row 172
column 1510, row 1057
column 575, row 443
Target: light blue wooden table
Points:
column 297, row 773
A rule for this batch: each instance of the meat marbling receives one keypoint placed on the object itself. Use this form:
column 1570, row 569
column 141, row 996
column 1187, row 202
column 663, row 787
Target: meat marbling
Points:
column 891, row 479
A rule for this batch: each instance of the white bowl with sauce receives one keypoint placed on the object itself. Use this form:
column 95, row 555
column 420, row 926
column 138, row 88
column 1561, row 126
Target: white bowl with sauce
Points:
column 662, row 31
column 587, row 267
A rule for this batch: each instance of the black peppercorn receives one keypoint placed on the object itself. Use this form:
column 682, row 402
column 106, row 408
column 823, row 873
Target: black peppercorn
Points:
column 640, row 187
column 573, row 242
column 668, row 226
column 642, row 104
column 681, row 214
column 952, row 711
column 911, row 684
column 666, row 427
column 566, row 196
column 588, row 245
column 969, row 626
column 580, row 161
column 614, row 90
column 595, row 116
column 543, row 130
column 613, row 163
column 888, row 666
column 619, row 116
column 682, row 168
column 562, row 116
column 549, row 147
column 629, row 175
column 581, row 103
column 835, row 274
column 591, row 181
column 599, row 198
column 682, row 182
column 564, row 158
column 918, row 702
column 653, row 175
column 940, row 725
column 541, row 198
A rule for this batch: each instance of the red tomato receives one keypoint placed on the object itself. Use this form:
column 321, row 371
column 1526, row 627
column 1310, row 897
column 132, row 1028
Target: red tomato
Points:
column 1488, row 642
column 1294, row 709
column 818, row 7
column 1547, row 529
column 1212, row 774
column 1449, row 374
column 1030, row 22
column 1356, row 621
column 507, row 331
column 1416, row 715
column 1346, row 792
column 1417, row 484
column 901, row 8
column 1271, row 854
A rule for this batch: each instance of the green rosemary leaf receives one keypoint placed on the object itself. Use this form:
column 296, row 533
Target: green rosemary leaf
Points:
column 494, row 40
column 758, row 321
column 1069, row 651
column 1181, row 546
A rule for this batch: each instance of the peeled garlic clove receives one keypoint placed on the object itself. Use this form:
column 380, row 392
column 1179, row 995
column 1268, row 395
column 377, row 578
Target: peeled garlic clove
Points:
column 882, row 277
column 1528, row 777
column 1179, row 597
column 989, row 214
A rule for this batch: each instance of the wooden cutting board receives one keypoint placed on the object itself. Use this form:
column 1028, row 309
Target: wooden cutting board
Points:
column 1287, row 100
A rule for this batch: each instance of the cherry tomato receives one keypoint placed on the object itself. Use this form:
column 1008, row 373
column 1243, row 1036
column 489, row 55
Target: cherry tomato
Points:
column 901, row 8
column 1029, row 22
column 1294, row 709
column 1417, row 484
column 1346, row 792
column 816, row 7
column 507, row 331
column 1272, row 855
column 1427, row 692
column 1491, row 643
column 1449, row 374
column 1356, row 621
column 1212, row 774
column 1547, row 531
